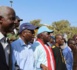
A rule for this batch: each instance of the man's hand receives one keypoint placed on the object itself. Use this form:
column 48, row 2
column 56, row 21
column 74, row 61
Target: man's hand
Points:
column 43, row 67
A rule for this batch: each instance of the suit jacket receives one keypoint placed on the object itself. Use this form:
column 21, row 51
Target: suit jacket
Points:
column 3, row 64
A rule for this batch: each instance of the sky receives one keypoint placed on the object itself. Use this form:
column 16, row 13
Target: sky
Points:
column 48, row 11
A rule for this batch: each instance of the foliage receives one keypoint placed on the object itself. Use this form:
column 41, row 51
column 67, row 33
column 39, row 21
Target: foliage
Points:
column 62, row 26
column 36, row 22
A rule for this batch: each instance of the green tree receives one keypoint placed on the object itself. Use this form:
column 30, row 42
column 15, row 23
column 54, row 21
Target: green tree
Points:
column 60, row 25
column 36, row 22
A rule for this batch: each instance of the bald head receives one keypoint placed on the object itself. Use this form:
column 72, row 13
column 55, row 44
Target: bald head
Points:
column 5, row 10
column 7, row 19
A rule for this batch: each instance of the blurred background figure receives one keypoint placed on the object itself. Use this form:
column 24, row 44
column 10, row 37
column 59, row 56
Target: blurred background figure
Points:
column 73, row 46
column 52, row 39
column 65, row 37
column 75, row 38
column 17, row 21
column 14, row 35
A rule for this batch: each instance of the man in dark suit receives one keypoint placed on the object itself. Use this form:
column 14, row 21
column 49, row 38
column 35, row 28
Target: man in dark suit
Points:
column 7, row 19
column 59, row 58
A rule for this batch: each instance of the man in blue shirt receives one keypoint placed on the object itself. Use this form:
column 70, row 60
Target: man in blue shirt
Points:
column 67, row 53
column 22, row 55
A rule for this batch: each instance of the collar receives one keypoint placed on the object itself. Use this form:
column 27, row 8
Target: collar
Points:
column 23, row 44
column 1, row 36
column 63, row 46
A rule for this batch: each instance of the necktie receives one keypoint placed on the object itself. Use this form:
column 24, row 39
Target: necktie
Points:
column 10, row 55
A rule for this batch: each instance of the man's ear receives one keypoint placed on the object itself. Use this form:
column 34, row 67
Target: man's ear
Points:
column 41, row 35
column 23, row 33
column 0, row 19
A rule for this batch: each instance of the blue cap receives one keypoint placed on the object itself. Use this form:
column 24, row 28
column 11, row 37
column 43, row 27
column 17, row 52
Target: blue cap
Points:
column 26, row 26
column 17, row 17
column 43, row 29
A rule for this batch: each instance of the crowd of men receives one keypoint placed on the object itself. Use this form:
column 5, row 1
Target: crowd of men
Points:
column 22, row 49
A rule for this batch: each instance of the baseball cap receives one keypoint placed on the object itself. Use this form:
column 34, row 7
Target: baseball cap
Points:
column 24, row 26
column 17, row 17
column 43, row 29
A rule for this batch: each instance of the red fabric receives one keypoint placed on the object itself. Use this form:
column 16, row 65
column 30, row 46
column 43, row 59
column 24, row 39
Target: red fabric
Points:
column 53, row 57
column 48, row 55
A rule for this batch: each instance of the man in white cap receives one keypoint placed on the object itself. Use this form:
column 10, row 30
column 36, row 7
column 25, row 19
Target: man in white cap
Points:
column 44, row 59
